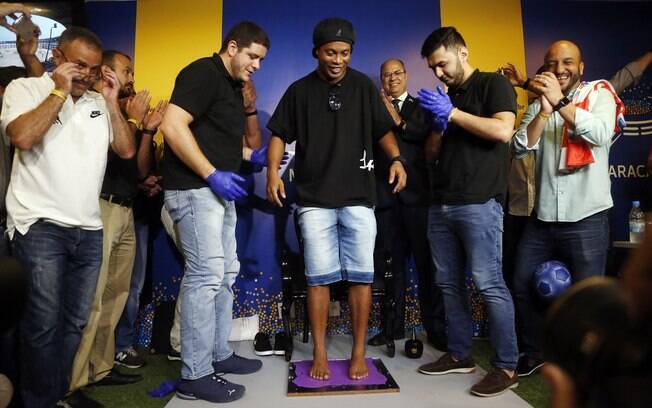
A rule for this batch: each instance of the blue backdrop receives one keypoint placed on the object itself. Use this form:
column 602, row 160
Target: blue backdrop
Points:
column 289, row 24
column 610, row 34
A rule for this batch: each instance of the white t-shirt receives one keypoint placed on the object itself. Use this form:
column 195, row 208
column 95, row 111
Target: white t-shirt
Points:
column 58, row 180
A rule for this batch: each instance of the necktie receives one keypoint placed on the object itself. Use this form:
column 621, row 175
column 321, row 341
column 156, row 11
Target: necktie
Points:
column 395, row 103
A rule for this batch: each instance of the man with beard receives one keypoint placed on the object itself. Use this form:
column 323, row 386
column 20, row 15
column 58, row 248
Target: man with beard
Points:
column 63, row 131
column 95, row 357
column 465, row 221
column 570, row 220
column 336, row 117
column 208, row 124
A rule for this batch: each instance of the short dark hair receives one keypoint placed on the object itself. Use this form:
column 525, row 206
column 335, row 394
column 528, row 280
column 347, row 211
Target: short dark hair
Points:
column 80, row 33
column 447, row 36
column 108, row 57
column 244, row 33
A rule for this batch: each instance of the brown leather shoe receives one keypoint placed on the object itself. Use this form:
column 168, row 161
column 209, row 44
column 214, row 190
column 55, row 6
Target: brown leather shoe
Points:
column 446, row 365
column 495, row 383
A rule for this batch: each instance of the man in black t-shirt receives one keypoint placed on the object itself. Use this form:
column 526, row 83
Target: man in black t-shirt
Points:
column 475, row 121
column 336, row 116
column 207, row 121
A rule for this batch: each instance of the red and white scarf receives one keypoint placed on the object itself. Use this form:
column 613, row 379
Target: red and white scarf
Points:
column 576, row 152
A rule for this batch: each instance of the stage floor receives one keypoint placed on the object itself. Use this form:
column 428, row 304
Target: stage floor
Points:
column 268, row 387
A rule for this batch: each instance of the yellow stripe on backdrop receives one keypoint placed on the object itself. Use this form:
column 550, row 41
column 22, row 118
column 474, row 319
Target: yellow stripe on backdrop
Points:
column 169, row 35
column 493, row 31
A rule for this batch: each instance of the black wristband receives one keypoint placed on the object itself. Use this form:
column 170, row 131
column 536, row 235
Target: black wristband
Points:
column 150, row 132
column 562, row 102
column 526, row 84
column 398, row 158
column 255, row 112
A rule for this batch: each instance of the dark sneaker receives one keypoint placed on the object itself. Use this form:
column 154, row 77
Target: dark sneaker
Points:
column 129, row 358
column 280, row 343
column 446, row 365
column 79, row 400
column 494, row 383
column 381, row 340
column 528, row 366
column 262, row 346
column 212, row 388
column 115, row 377
column 174, row 355
column 237, row 365
column 377, row 340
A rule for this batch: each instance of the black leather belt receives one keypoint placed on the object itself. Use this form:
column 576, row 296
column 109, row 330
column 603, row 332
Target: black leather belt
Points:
column 116, row 199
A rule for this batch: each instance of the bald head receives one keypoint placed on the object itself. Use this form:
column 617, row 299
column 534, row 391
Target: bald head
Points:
column 564, row 46
column 564, row 59
column 391, row 61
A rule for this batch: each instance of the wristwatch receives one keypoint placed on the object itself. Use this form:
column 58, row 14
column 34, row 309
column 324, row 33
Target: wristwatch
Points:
column 562, row 102
column 401, row 126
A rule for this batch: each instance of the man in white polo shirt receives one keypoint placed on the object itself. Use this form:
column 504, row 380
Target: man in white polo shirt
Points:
column 62, row 132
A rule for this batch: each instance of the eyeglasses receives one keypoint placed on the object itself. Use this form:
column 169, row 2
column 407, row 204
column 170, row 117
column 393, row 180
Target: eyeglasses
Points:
column 334, row 101
column 387, row 75
column 93, row 72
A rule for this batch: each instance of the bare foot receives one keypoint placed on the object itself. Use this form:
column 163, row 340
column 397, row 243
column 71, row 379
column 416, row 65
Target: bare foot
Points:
column 319, row 369
column 358, row 368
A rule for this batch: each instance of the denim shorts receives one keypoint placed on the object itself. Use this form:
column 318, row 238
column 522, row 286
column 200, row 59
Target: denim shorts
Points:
column 338, row 244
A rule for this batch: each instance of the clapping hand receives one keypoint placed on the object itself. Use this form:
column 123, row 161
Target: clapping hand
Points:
column 439, row 104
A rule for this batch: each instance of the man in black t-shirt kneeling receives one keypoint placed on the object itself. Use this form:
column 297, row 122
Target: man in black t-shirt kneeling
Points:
column 335, row 115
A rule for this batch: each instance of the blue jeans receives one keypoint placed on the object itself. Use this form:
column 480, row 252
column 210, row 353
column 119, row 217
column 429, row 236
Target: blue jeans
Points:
column 469, row 237
column 63, row 265
column 581, row 245
column 338, row 244
column 206, row 227
column 124, row 332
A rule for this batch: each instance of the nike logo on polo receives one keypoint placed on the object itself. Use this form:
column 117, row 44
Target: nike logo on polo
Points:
column 95, row 114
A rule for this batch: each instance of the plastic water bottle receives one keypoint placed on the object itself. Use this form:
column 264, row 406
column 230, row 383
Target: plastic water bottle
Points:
column 636, row 223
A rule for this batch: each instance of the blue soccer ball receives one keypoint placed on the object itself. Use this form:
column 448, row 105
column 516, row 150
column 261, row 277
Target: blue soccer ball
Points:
column 551, row 279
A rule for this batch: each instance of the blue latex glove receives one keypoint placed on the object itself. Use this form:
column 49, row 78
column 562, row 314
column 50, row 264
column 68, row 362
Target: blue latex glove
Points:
column 259, row 158
column 167, row 387
column 226, row 184
column 437, row 101
column 439, row 123
column 439, row 104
